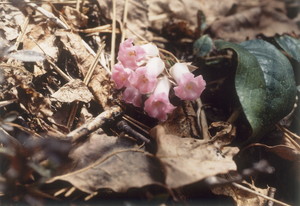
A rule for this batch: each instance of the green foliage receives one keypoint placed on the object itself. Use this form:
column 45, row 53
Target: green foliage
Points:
column 290, row 45
column 264, row 83
column 203, row 46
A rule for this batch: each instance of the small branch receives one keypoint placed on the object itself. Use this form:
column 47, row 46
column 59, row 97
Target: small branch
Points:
column 98, row 122
column 201, row 120
column 94, row 54
column 124, row 20
column 123, row 126
column 136, row 123
column 258, row 194
column 48, row 14
column 7, row 102
column 233, row 117
column 113, row 35
column 86, row 80
column 78, row 2
column 287, row 135
column 288, row 131
column 58, row 70
column 91, row 69
column 136, row 34
column 271, row 194
column 170, row 54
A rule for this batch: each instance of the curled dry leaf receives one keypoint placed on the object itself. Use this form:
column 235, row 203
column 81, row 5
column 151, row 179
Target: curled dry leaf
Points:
column 75, row 90
column 286, row 150
column 189, row 160
column 110, row 162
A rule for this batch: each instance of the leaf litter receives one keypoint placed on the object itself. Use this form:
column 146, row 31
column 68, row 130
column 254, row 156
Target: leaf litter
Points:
column 67, row 135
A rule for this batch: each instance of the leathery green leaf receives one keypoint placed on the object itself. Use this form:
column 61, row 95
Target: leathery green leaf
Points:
column 290, row 45
column 264, row 82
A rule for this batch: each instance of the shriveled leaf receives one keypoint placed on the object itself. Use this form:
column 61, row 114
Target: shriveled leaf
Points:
column 203, row 46
column 27, row 56
column 75, row 90
column 264, row 83
column 285, row 149
column 111, row 162
column 290, row 45
column 189, row 160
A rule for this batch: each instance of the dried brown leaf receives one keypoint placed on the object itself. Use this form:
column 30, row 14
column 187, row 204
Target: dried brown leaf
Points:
column 267, row 19
column 41, row 36
column 111, row 162
column 100, row 84
column 160, row 11
column 188, row 160
column 74, row 17
column 10, row 20
column 75, row 90
column 286, row 151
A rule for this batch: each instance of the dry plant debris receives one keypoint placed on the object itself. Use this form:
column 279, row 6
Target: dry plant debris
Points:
column 68, row 134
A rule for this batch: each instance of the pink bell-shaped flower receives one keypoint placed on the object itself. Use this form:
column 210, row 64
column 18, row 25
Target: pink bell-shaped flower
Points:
column 121, row 75
column 130, row 55
column 188, row 86
column 158, row 104
column 145, row 78
column 151, row 50
column 132, row 96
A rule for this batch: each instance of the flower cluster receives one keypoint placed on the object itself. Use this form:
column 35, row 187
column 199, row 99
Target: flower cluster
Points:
column 140, row 71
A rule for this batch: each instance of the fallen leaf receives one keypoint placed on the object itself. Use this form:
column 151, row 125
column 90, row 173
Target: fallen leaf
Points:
column 261, row 18
column 100, row 84
column 285, row 150
column 74, row 17
column 111, row 162
column 189, row 160
column 161, row 11
column 27, row 56
column 75, row 90
column 10, row 20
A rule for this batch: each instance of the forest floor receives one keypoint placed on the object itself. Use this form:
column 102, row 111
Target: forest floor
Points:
column 67, row 137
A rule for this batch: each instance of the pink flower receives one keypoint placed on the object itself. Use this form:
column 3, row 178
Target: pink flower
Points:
column 120, row 75
column 132, row 96
column 130, row 55
column 151, row 50
column 145, row 78
column 189, row 87
column 158, row 104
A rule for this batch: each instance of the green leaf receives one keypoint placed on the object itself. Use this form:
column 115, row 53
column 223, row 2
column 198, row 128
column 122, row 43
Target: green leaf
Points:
column 264, row 83
column 290, row 45
column 203, row 46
